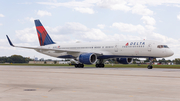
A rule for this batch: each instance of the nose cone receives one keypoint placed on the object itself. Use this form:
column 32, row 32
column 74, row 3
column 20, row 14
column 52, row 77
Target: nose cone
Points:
column 170, row 52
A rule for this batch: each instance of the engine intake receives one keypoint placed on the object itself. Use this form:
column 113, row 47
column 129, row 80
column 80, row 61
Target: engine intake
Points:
column 87, row 58
column 124, row 60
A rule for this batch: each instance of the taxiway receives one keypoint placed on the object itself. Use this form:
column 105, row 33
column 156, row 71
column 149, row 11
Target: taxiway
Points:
column 51, row 83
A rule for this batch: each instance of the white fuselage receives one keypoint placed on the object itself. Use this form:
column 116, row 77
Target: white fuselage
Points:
column 135, row 48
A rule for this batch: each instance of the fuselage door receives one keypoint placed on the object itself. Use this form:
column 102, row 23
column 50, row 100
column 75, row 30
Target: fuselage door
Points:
column 116, row 48
column 149, row 47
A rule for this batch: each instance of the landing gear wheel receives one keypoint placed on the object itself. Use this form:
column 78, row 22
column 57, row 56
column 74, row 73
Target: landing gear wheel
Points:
column 102, row 65
column 150, row 64
column 79, row 65
column 82, row 65
column 99, row 65
column 150, row 67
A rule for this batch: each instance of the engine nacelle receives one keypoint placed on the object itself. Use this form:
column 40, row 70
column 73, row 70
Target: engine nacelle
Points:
column 87, row 58
column 124, row 60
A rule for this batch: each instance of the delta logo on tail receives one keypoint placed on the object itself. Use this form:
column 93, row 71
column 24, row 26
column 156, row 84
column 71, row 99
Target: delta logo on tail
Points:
column 44, row 38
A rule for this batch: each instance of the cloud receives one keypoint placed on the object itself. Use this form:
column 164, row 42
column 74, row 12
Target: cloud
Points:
column 101, row 26
column 135, row 6
column 1, row 15
column 27, row 35
column 146, row 32
column 71, row 4
column 128, row 27
column 150, row 28
column 77, row 29
column 5, row 45
column 126, row 5
column 31, row 19
column 80, row 6
column 95, row 34
column 141, row 10
column 178, row 16
column 43, row 13
column 114, row 5
column 84, row 10
column 163, row 38
column 1, row 24
column 148, row 20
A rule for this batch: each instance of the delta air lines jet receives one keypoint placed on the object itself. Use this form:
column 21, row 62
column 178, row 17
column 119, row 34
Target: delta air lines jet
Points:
column 90, row 52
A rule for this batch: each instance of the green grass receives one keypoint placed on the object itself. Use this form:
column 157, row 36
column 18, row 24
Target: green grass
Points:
column 106, row 65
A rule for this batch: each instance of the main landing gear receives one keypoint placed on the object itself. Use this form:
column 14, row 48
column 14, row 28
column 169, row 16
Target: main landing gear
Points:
column 150, row 64
column 79, row 65
column 100, row 65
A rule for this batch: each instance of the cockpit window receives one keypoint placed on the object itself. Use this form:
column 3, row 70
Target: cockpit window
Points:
column 162, row 46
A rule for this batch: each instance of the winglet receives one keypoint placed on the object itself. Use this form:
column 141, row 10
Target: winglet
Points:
column 9, row 41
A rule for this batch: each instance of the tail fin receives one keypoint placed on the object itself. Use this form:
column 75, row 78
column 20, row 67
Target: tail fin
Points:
column 44, row 38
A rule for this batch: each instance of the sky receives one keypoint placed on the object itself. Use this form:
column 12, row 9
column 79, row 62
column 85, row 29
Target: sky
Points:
column 69, row 21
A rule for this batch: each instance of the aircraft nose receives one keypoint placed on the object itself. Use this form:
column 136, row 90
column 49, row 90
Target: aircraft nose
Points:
column 170, row 52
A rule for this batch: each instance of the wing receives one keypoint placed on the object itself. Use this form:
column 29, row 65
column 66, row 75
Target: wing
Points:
column 42, row 48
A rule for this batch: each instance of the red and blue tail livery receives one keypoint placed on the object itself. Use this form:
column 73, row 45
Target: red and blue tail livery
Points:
column 44, row 38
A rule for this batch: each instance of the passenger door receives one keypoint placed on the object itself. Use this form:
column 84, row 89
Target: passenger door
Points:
column 149, row 47
column 116, row 48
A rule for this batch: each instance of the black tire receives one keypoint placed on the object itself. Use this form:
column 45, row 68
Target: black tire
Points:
column 79, row 65
column 102, row 65
column 97, row 65
column 82, row 65
column 76, row 66
column 150, row 67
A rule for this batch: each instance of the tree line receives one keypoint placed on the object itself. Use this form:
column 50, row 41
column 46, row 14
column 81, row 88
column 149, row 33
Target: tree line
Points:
column 15, row 59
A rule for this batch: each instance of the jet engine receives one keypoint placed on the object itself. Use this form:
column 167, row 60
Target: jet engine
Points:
column 87, row 58
column 124, row 60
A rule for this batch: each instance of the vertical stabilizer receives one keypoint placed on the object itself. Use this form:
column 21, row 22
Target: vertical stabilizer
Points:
column 44, row 38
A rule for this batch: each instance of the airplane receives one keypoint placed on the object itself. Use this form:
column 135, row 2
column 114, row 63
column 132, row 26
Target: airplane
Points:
column 90, row 52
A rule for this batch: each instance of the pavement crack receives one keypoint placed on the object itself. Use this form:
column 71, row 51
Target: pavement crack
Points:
column 50, row 90
column 9, row 89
